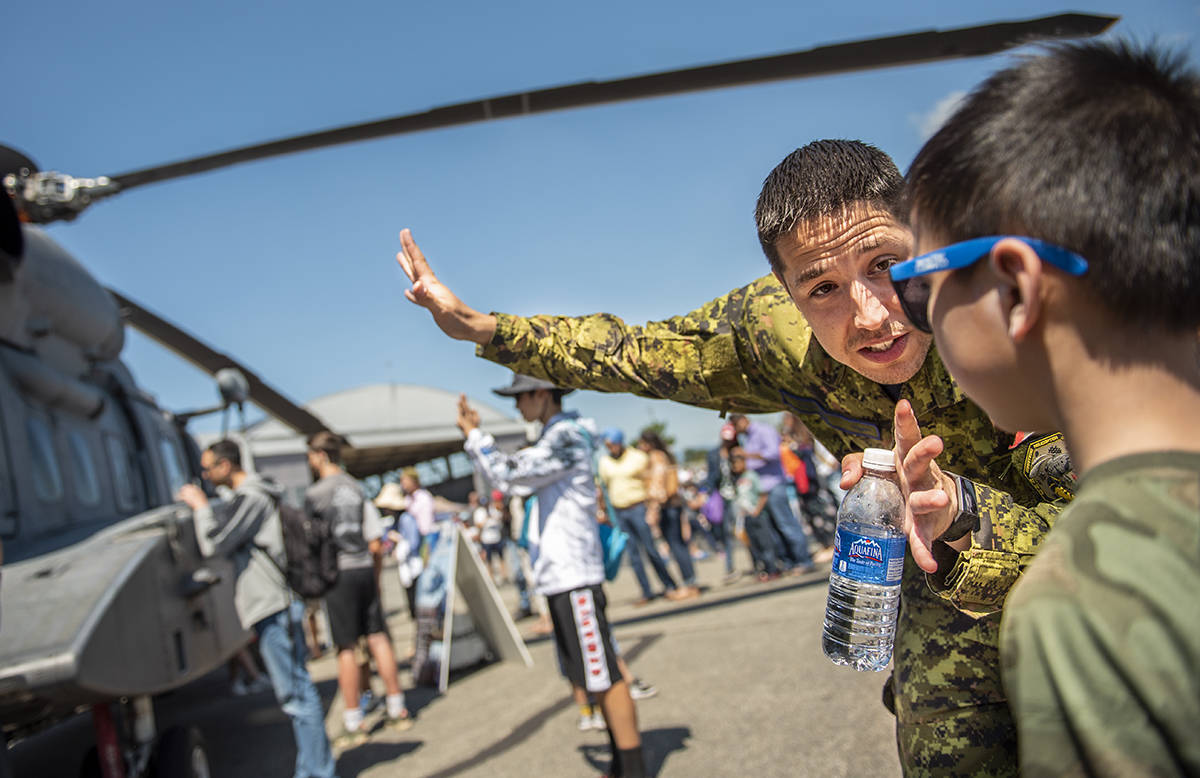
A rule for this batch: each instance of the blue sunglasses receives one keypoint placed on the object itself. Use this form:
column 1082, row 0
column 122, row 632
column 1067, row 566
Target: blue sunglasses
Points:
column 910, row 278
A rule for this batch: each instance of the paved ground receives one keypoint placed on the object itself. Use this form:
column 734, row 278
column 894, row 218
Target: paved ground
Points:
column 743, row 690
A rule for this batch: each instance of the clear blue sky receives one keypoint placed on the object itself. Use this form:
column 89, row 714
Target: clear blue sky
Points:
column 642, row 209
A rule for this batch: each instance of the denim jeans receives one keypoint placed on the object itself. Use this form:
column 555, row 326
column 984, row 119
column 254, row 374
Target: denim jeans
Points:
column 670, row 522
column 633, row 520
column 281, row 643
column 795, row 542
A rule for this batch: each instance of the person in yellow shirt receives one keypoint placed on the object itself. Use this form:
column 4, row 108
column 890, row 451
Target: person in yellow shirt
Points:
column 622, row 473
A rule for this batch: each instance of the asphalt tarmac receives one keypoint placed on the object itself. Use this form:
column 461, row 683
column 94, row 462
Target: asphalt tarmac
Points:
column 743, row 690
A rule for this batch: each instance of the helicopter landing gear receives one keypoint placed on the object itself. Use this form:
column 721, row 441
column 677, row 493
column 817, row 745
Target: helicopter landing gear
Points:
column 133, row 751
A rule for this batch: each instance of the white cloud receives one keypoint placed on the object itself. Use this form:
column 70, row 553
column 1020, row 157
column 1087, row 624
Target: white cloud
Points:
column 929, row 123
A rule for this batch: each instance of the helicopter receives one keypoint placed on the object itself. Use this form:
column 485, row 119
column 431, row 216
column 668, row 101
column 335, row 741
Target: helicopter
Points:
column 104, row 597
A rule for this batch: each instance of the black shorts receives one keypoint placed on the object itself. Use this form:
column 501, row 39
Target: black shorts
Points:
column 583, row 638
column 354, row 607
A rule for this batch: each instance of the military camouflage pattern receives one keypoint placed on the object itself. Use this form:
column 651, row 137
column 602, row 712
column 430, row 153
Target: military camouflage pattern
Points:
column 751, row 351
column 1101, row 639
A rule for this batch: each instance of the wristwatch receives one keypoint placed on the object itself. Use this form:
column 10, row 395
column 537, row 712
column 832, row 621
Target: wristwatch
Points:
column 967, row 520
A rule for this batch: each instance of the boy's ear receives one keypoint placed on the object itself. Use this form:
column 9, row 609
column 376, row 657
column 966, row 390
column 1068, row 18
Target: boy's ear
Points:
column 1019, row 268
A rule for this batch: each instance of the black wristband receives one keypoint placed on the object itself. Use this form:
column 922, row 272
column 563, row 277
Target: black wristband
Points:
column 967, row 520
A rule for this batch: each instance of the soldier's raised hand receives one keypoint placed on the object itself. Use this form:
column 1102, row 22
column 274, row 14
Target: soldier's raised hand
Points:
column 930, row 499
column 457, row 319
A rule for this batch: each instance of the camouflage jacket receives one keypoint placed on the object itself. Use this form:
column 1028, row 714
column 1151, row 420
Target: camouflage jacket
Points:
column 751, row 351
column 1101, row 638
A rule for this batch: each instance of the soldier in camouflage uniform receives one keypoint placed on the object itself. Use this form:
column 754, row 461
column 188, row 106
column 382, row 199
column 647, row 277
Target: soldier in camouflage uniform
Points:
column 1100, row 639
column 752, row 351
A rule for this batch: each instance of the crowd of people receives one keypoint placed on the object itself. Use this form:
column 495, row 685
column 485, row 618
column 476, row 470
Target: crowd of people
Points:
column 1056, row 231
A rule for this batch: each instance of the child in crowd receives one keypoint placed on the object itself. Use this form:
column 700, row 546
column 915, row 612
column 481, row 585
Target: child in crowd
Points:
column 751, row 504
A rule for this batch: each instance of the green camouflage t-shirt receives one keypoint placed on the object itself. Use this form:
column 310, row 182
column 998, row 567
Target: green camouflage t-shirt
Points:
column 1100, row 639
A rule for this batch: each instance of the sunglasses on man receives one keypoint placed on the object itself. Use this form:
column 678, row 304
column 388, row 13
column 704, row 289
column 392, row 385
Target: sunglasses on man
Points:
column 911, row 278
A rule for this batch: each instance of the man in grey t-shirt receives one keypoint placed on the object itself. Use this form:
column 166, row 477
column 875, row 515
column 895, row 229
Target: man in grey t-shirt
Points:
column 355, row 607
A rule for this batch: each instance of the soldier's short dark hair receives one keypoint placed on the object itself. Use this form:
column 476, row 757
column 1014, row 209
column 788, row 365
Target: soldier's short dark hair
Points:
column 822, row 179
column 229, row 450
column 328, row 443
column 1094, row 146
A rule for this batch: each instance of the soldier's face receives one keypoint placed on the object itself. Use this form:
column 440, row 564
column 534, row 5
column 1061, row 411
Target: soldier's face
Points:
column 836, row 271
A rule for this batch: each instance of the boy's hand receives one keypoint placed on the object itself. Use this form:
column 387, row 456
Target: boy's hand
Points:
column 468, row 417
column 457, row 319
column 931, row 501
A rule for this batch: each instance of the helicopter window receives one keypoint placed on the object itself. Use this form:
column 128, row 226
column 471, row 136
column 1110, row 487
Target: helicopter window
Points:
column 47, row 480
column 87, row 483
column 122, row 471
column 172, row 464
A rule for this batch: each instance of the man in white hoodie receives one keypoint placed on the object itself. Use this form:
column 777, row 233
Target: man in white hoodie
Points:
column 246, row 529
column 566, row 554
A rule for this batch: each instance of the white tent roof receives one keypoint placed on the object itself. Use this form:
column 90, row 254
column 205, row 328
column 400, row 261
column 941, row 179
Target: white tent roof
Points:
column 389, row 426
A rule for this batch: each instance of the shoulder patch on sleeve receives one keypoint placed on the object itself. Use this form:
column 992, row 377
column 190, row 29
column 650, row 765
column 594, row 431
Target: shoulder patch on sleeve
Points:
column 1047, row 465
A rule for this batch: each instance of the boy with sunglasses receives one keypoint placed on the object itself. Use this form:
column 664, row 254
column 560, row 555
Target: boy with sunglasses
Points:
column 1069, row 298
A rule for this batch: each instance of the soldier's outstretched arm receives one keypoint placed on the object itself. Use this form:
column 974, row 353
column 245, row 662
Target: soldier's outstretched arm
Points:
column 730, row 354
column 724, row 355
column 457, row 319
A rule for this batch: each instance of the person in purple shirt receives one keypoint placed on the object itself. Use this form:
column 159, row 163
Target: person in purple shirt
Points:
column 761, row 444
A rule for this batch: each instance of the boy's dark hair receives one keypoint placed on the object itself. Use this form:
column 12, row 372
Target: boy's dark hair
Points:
column 329, row 444
column 822, row 179
column 1093, row 146
column 229, row 450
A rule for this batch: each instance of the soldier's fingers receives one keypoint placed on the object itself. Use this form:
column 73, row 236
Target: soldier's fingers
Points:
column 927, row 501
column 919, row 466
column 851, row 470
column 405, row 265
column 906, row 429
column 416, row 257
column 922, row 552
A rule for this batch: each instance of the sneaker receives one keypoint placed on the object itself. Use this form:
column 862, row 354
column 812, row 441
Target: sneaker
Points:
column 585, row 722
column 350, row 738
column 239, row 688
column 824, row 555
column 368, row 702
column 259, row 685
column 598, row 722
column 640, row 690
column 401, row 723
column 732, row 577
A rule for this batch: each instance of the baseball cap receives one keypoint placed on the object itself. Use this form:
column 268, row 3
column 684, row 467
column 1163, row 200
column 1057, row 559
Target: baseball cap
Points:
column 614, row 435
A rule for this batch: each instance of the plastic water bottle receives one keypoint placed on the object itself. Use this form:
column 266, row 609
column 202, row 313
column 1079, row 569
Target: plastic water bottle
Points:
column 868, row 559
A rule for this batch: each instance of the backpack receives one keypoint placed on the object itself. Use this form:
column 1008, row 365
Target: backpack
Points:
column 311, row 554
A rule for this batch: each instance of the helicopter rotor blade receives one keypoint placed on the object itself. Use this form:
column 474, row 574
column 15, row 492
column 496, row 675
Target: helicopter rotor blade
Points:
column 210, row 360
column 909, row 49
